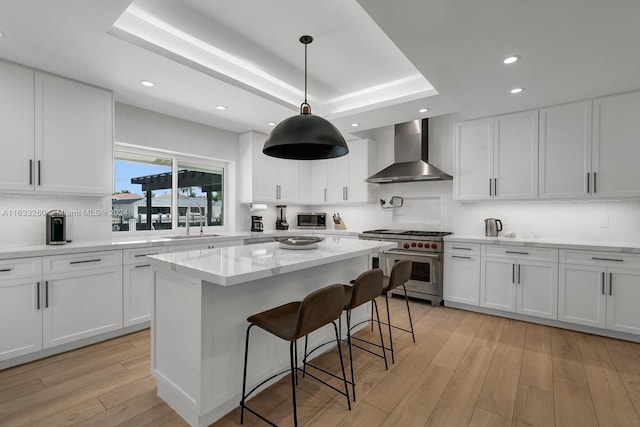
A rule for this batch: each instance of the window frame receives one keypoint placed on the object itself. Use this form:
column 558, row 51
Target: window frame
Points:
column 228, row 173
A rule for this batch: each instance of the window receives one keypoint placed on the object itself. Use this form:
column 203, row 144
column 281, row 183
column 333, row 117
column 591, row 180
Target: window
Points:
column 146, row 195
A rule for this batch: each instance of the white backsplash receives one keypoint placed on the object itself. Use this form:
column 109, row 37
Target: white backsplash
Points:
column 23, row 221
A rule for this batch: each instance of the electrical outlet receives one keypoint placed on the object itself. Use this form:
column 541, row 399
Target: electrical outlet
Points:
column 604, row 222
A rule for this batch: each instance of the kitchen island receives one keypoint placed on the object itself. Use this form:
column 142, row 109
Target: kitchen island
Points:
column 202, row 299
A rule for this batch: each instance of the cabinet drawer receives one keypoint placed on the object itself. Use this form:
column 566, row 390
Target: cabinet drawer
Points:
column 20, row 267
column 85, row 261
column 135, row 256
column 462, row 248
column 616, row 259
column 520, row 252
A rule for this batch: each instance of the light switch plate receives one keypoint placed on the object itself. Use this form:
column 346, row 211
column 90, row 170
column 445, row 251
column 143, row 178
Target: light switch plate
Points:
column 604, row 222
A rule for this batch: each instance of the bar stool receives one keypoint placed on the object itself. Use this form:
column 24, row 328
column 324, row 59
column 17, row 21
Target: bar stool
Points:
column 366, row 287
column 400, row 274
column 293, row 321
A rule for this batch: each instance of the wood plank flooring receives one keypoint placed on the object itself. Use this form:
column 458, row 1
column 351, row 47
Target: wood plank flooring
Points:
column 465, row 369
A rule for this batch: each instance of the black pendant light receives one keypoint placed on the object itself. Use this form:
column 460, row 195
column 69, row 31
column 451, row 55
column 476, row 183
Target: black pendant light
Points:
column 305, row 136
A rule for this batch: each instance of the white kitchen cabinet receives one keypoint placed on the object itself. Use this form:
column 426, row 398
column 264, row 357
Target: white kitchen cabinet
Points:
column 600, row 289
column 565, row 151
column 342, row 180
column 21, row 308
column 264, row 178
column 83, row 300
column 16, row 128
column 616, row 146
column 462, row 273
column 137, row 286
column 74, row 137
column 204, row 244
column 521, row 280
column 497, row 157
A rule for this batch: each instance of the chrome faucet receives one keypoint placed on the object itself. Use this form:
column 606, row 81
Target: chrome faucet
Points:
column 200, row 214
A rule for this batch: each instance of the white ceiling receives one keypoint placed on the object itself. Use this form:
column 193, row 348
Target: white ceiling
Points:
column 371, row 62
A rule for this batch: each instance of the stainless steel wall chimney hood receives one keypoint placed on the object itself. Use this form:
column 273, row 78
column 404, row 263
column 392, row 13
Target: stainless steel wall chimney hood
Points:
column 411, row 151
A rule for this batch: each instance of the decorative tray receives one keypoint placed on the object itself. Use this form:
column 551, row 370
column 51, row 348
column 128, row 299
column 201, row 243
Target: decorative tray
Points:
column 299, row 242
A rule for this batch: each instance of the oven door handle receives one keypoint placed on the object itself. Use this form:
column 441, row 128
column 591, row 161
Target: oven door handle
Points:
column 409, row 253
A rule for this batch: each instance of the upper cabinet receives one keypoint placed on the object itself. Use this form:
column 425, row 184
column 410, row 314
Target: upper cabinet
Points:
column 16, row 128
column 264, row 178
column 342, row 180
column 497, row 158
column 588, row 149
column 60, row 131
column 74, row 137
column 565, row 151
column 616, row 146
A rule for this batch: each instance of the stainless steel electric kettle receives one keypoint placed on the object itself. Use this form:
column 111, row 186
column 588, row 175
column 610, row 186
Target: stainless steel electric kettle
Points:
column 492, row 226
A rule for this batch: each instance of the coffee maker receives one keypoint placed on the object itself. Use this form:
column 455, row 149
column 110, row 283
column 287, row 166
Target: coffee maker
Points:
column 56, row 229
column 281, row 220
column 256, row 223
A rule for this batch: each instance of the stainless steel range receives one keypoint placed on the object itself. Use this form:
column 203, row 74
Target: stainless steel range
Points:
column 424, row 250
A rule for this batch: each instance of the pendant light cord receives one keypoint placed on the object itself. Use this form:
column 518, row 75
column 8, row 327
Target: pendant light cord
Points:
column 305, row 73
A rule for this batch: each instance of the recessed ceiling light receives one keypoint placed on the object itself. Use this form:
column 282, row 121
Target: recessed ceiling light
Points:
column 516, row 90
column 423, row 110
column 355, row 125
column 272, row 124
column 221, row 107
column 147, row 83
column 511, row 59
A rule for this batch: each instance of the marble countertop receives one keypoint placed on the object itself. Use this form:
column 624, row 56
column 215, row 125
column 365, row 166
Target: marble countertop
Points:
column 139, row 241
column 581, row 244
column 240, row 264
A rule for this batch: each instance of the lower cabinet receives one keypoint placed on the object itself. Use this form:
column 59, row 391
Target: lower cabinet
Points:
column 21, row 313
column 462, row 273
column 520, row 281
column 137, row 285
column 81, row 304
column 600, row 290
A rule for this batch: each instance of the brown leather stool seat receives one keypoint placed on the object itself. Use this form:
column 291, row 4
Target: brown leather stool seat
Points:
column 366, row 287
column 293, row 321
column 400, row 274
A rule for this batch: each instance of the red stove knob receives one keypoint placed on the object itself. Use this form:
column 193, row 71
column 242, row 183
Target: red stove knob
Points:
column 434, row 246
column 420, row 245
column 406, row 246
column 413, row 244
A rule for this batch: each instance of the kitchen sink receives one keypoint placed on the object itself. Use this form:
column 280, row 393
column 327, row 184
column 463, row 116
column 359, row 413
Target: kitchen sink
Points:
column 191, row 236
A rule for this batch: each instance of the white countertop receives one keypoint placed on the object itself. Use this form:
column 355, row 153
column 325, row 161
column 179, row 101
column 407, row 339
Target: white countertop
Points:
column 126, row 242
column 582, row 244
column 240, row 264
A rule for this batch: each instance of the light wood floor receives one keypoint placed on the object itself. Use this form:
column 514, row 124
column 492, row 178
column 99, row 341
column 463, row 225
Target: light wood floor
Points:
column 466, row 369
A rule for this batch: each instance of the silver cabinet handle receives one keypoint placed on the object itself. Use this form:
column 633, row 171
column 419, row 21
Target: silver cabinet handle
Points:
column 610, row 283
column 518, row 273
column 602, row 280
column 588, row 182
column 607, row 259
column 30, row 171
column 513, row 273
column 39, row 174
column 346, row 193
column 458, row 256
column 325, row 194
column 490, row 193
column 516, row 252
column 141, row 255
column 38, row 296
column 4, row 270
column 495, row 186
column 595, row 189
column 462, row 249
column 46, row 294
column 143, row 265
column 86, row 261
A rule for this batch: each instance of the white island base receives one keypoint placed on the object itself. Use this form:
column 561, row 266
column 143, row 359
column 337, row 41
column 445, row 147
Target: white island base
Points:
column 198, row 327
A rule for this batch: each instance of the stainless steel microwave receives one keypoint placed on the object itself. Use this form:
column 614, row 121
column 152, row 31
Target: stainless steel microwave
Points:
column 312, row 220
